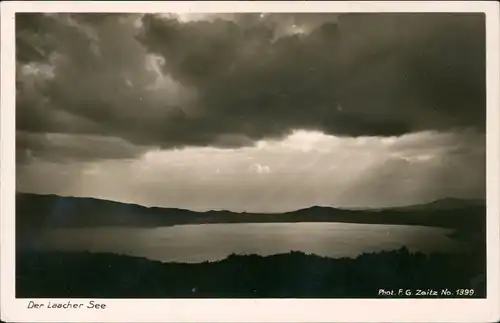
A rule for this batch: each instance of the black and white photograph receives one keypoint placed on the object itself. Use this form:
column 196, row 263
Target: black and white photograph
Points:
column 253, row 154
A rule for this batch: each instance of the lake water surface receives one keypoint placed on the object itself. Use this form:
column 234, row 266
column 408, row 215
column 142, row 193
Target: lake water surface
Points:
column 197, row 243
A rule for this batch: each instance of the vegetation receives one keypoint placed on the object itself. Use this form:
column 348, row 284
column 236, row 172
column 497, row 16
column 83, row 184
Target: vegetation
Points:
column 292, row 275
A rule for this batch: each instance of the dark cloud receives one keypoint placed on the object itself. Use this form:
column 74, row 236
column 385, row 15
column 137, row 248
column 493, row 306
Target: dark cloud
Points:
column 376, row 74
column 34, row 37
column 68, row 148
column 229, row 82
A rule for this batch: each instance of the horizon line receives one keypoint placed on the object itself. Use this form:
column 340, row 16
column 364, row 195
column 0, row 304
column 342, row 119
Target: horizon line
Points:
column 245, row 212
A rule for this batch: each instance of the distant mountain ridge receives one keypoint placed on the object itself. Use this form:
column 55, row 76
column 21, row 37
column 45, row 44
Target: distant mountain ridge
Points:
column 49, row 211
column 441, row 204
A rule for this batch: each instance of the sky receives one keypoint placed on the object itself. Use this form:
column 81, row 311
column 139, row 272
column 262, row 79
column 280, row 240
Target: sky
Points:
column 256, row 112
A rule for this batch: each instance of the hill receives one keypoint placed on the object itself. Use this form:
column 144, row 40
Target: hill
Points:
column 48, row 211
column 38, row 211
column 292, row 275
column 445, row 204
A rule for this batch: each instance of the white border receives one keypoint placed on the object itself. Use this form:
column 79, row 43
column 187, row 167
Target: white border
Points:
column 272, row 310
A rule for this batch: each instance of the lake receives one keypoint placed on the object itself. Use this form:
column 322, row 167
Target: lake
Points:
column 197, row 243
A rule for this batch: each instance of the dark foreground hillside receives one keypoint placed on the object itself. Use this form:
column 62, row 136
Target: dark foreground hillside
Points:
column 292, row 275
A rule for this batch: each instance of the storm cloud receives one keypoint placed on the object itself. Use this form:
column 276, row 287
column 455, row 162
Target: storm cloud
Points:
column 252, row 111
column 230, row 81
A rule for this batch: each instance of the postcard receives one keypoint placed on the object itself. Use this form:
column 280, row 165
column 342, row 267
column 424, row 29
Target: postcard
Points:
column 250, row 161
